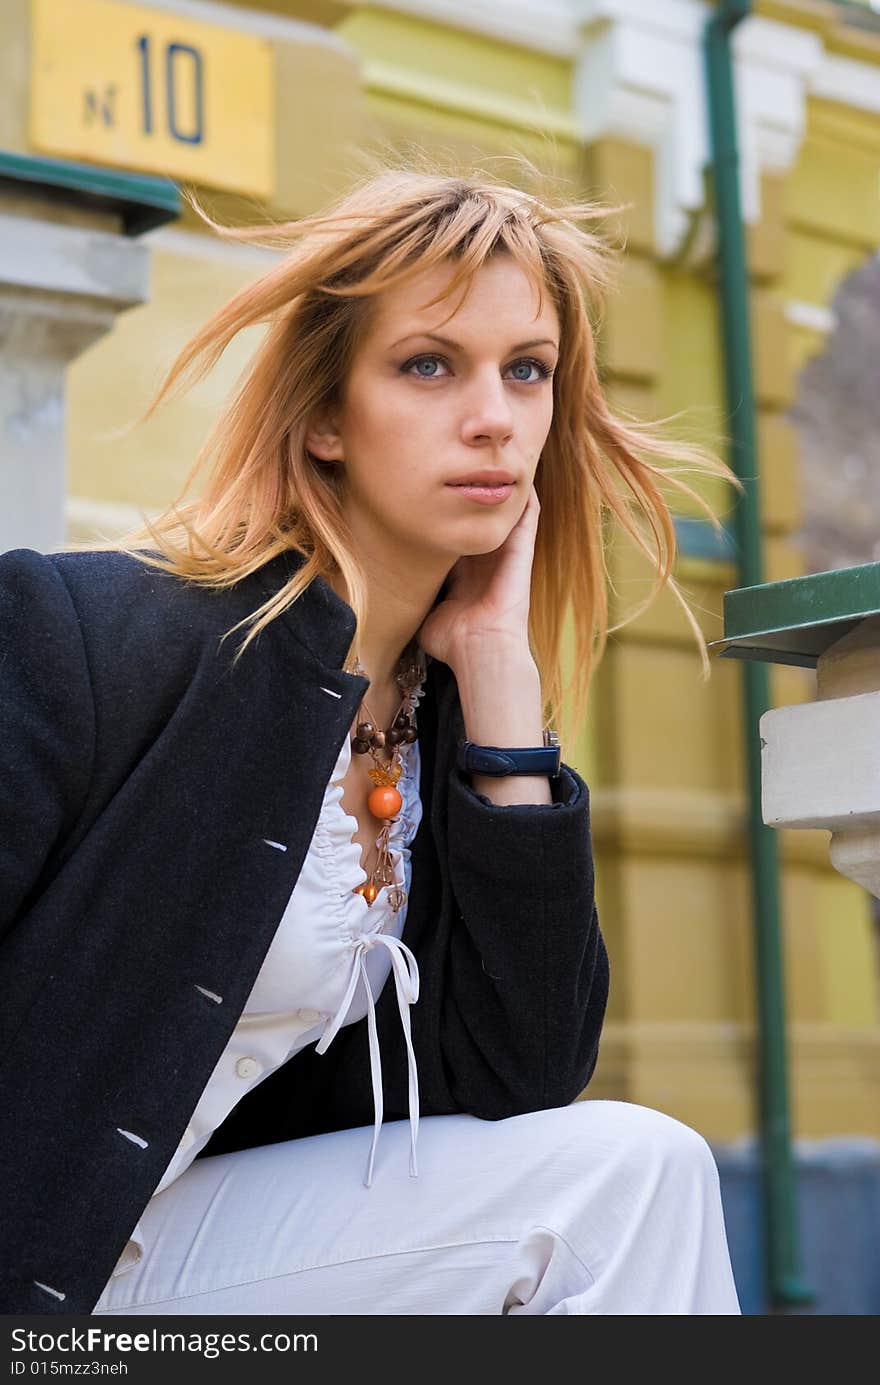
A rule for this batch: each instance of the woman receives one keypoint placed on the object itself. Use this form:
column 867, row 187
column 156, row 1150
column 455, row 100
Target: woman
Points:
column 213, row 862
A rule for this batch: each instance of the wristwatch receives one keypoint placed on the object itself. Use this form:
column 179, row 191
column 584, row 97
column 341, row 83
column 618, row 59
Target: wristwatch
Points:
column 497, row 761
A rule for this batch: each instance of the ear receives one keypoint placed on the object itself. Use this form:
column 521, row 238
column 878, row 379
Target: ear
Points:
column 323, row 440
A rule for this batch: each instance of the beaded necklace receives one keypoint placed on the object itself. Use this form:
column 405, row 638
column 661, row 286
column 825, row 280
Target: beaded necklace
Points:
column 385, row 801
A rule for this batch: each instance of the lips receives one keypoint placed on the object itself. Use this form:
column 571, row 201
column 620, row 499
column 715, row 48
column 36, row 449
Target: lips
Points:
column 484, row 495
column 491, row 479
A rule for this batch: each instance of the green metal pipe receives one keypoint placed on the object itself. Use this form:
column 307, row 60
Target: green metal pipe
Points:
column 784, row 1287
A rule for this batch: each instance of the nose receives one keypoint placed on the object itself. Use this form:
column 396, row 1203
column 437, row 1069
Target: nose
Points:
column 489, row 416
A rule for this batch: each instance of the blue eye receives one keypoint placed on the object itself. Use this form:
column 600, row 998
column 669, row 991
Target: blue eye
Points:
column 420, row 360
column 544, row 371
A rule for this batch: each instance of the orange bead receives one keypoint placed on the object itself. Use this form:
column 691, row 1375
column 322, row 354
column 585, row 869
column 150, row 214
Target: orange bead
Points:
column 368, row 890
column 385, row 801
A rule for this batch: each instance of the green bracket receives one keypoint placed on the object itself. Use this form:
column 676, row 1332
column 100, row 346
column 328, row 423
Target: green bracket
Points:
column 142, row 202
column 794, row 621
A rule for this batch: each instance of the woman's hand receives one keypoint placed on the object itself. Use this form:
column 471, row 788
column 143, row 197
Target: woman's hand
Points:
column 488, row 595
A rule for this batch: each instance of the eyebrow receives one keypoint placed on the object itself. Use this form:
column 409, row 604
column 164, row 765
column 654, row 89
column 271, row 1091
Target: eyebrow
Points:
column 456, row 346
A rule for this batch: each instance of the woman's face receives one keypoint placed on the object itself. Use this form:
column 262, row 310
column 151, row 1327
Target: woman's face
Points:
column 419, row 413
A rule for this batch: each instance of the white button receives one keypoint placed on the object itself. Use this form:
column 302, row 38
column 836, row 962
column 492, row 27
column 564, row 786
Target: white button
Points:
column 248, row 1067
column 310, row 1016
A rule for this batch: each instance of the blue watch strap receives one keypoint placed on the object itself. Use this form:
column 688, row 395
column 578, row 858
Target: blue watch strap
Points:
column 497, row 761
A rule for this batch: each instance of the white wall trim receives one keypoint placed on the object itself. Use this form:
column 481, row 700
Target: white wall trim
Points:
column 640, row 76
column 849, row 81
column 815, row 316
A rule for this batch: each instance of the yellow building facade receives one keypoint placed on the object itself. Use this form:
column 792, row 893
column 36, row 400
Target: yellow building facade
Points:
column 609, row 97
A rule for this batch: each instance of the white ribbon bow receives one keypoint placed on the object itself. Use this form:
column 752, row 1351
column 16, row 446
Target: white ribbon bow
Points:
column 406, row 981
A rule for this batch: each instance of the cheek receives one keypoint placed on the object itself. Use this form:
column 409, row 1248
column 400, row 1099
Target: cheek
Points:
column 540, row 436
column 385, row 421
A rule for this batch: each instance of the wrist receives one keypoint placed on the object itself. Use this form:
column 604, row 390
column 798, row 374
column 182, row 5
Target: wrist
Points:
column 474, row 648
column 477, row 657
column 499, row 688
column 500, row 693
column 500, row 696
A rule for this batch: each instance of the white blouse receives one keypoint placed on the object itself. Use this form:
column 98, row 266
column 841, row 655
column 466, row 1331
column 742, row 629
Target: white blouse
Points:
column 325, row 968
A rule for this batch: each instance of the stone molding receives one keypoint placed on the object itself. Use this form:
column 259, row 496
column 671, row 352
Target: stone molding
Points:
column 61, row 288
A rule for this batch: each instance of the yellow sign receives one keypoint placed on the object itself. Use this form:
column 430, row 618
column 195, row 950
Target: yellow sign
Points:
column 146, row 89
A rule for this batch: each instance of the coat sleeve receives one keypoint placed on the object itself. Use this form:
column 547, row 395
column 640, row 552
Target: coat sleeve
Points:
column 47, row 724
column 525, row 1001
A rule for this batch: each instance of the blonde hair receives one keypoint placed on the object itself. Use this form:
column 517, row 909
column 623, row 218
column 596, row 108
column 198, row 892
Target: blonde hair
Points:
column 266, row 493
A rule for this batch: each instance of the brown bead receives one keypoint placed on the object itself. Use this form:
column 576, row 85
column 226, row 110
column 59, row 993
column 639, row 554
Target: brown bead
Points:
column 359, row 746
column 378, row 740
column 365, row 728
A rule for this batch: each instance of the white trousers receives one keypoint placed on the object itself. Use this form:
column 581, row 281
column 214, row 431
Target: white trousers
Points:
column 597, row 1207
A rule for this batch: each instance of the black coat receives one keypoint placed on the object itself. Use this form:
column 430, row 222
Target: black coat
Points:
column 141, row 778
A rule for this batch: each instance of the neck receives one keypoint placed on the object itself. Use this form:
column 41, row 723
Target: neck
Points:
column 396, row 610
